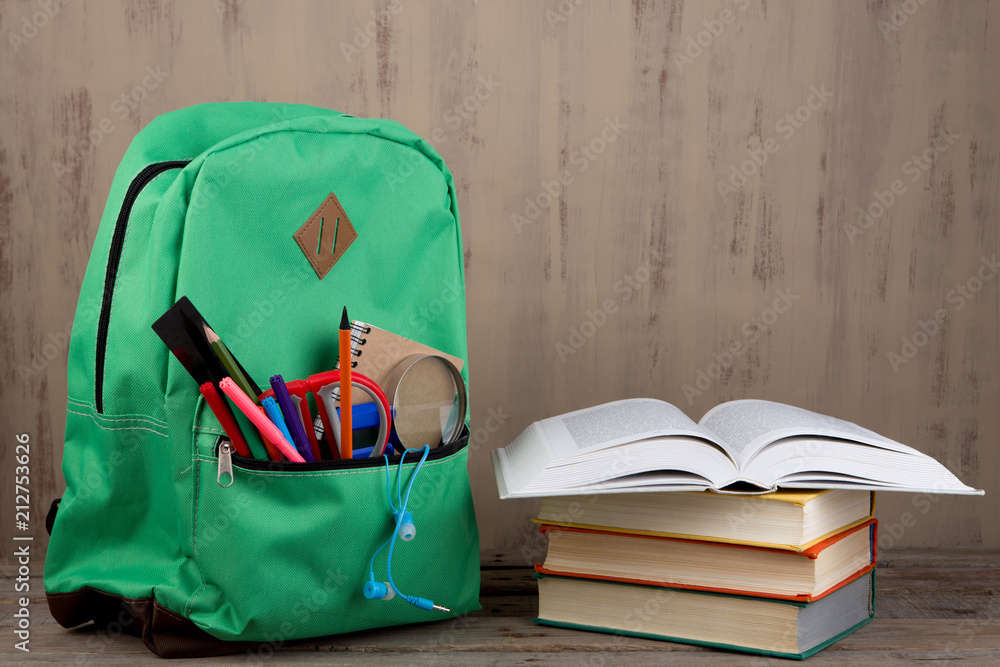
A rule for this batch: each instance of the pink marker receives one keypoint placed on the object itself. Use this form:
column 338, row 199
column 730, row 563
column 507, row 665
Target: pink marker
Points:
column 259, row 420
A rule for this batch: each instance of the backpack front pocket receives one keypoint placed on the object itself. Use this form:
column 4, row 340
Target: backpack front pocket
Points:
column 283, row 551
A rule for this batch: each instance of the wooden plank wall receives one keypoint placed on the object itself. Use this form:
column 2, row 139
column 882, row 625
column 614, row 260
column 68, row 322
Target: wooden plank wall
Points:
column 653, row 258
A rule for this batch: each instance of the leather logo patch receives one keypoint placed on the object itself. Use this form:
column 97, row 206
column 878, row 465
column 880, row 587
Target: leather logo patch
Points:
column 326, row 235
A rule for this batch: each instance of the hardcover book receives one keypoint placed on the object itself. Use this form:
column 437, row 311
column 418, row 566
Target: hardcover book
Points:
column 805, row 576
column 792, row 520
column 642, row 445
column 781, row 628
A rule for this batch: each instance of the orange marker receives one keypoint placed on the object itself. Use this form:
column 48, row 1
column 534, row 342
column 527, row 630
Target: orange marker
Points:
column 346, row 432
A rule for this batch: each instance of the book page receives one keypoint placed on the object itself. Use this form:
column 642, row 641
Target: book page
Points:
column 638, row 435
column 829, row 462
column 746, row 426
column 519, row 462
column 617, row 423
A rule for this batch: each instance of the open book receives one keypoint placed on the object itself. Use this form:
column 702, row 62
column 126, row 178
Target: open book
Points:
column 742, row 446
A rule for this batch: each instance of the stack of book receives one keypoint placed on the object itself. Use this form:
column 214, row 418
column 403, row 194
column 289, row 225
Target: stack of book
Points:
column 655, row 530
column 785, row 574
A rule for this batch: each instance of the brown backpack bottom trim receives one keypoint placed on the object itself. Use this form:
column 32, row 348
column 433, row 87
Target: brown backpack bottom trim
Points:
column 165, row 633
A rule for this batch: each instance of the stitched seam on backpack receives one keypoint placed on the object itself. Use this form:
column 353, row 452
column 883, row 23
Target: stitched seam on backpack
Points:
column 366, row 133
column 197, row 496
column 138, row 415
column 117, row 428
column 129, row 419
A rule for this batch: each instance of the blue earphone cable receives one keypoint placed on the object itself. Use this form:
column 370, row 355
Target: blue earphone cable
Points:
column 388, row 496
column 399, row 514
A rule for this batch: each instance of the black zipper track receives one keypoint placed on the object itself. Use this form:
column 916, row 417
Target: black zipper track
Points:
column 143, row 178
column 341, row 464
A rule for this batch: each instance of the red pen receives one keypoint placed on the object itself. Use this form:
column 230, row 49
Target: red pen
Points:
column 225, row 418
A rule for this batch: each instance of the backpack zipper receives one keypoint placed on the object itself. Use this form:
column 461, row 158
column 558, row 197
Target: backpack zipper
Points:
column 228, row 458
column 142, row 179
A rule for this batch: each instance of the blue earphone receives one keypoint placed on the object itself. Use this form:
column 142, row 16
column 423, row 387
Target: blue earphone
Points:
column 404, row 529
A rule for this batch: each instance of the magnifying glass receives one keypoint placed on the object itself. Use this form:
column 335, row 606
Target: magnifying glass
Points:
column 428, row 399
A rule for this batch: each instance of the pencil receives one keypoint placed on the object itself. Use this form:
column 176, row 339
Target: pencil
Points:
column 346, row 434
column 227, row 359
column 243, row 382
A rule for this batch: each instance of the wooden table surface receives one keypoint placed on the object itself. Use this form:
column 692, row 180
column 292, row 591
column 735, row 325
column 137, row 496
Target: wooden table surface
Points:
column 933, row 606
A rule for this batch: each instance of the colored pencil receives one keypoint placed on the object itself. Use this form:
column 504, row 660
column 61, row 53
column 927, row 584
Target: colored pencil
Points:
column 227, row 359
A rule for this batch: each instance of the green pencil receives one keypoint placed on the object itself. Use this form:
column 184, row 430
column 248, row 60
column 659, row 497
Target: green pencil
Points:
column 226, row 357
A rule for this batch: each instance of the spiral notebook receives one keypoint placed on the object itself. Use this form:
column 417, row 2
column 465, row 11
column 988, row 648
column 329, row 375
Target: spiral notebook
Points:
column 376, row 352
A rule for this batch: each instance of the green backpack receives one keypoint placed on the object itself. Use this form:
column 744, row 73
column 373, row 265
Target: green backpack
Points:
column 145, row 540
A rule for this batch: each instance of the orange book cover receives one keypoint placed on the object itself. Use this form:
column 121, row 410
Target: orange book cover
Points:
column 812, row 552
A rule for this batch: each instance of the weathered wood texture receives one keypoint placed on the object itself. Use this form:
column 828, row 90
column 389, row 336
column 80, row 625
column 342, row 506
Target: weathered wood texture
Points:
column 638, row 276
column 930, row 606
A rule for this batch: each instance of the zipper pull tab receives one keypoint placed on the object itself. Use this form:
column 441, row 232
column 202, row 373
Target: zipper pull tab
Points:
column 225, row 464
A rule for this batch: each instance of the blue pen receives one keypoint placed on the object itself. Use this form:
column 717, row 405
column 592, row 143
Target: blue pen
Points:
column 292, row 419
column 274, row 414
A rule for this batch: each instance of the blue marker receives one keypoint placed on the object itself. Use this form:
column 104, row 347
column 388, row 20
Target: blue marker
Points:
column 274, row 414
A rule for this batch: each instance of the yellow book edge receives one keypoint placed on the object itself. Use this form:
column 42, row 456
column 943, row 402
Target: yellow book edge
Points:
column 705, row 538
column 794, row 496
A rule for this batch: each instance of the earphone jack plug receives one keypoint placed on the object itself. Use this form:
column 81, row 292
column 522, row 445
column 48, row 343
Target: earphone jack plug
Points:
column 425, row 604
